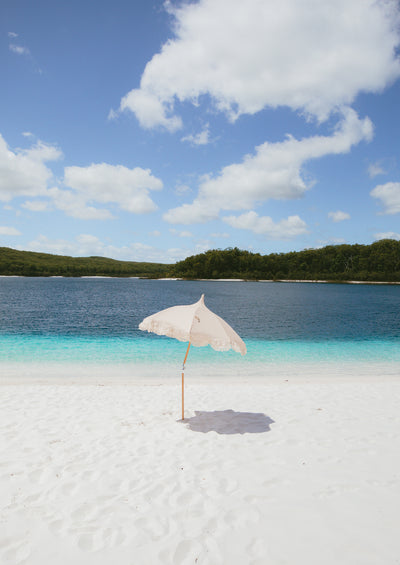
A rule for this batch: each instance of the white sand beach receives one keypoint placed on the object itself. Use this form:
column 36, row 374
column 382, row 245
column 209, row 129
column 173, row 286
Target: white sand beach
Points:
column 264, row 471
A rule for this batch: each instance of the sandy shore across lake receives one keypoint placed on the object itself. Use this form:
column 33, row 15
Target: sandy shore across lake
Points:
column 284, row 467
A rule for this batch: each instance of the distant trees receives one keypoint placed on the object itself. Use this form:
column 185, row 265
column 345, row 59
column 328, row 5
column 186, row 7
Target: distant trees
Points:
column 377, row 262
column 30, row 264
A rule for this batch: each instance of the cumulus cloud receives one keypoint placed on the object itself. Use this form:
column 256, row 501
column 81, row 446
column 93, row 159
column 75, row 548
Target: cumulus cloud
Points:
column 150, row 111
column 75, row 205
column 104, row 183
column 339, row 216
column 7, row 230
column 247, row 56
column 375, row 169
column 36, row 205
column 387, row 235
column 81, row 245
column 23, row 172
column 202, row 138
column 85, row 245
column 389, row 195
column 85, row 191
column 264, row 225
column 273, row 172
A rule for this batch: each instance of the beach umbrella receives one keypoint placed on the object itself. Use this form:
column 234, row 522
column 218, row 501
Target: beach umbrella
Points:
column 196, row 324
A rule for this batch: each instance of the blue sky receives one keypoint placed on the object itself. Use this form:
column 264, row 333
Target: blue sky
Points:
column 153, row 130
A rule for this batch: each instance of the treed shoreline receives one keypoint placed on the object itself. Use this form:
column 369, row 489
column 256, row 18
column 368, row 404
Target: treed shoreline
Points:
column 378, row 263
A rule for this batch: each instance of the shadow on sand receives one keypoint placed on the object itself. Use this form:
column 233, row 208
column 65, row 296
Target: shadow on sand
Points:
column 229, row 422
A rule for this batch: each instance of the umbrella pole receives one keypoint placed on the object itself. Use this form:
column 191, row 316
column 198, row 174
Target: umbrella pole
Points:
column 183, row 382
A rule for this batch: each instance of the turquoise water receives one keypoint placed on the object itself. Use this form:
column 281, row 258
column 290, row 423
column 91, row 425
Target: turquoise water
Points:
column 111, row 350
column 96, row 321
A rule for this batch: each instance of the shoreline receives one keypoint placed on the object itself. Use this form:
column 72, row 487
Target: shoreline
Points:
column 157, row 374
column 313, row 281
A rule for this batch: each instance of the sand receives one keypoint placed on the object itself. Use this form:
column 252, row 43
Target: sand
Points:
column 263, row 471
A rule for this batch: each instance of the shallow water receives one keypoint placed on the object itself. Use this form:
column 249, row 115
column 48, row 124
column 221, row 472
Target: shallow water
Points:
column 96, row 321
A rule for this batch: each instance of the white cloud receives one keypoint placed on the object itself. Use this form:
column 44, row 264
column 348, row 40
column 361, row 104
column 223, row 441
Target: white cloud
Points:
column 389, row 195
column 76, row 206
column 197, row 213
column 273, row 172
column 149, row 110
column 36, row 205
column 19, row 50
column 85, row 245
column 387, row 235
column 264, row 225
column 103, row 183
column 181, row 233
column 6, row 230
column 330, row 241
column 310, row 56
column 339, row 216
column 223, row 235
column 182, row 189
column 12, row 34
column 375, row 169
column 23, row 171
column 202, row 138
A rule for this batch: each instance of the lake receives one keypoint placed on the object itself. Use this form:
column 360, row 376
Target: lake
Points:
column 95, row 320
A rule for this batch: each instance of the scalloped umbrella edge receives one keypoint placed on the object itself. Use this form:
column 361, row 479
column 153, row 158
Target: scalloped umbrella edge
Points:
column 196, row 324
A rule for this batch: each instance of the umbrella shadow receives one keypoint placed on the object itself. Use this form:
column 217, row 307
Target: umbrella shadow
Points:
column 229, row 422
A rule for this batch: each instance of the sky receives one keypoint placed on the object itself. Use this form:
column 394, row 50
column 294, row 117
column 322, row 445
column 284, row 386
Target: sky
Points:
column 152, row 130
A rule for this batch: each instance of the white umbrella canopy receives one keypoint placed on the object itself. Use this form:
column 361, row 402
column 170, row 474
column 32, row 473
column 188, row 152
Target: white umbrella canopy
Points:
column 196, row 324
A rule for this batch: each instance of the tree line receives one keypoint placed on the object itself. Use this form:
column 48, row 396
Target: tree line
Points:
column 31, row 264
column 379, row 262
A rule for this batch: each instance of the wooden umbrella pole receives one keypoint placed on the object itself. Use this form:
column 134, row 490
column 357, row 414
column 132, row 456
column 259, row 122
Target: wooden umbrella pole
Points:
column 183, row 382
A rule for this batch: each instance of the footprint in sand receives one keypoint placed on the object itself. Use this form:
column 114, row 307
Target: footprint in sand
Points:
column 58, row 527
column 242, row 519
column 88, row 542
column 40, row 476
column 15, row 553
column 85, row 512
column 70, row 488
column 188, row 499
column 187, row 552
column 257, row 551
column 31, row 499
column 154, row 527
column 113, row 537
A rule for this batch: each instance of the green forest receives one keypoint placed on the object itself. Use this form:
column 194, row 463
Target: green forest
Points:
column 31, row 264
column 378, row 262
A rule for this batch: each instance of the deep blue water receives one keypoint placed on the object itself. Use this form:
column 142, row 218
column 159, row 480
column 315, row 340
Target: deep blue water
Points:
column 96, row 319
